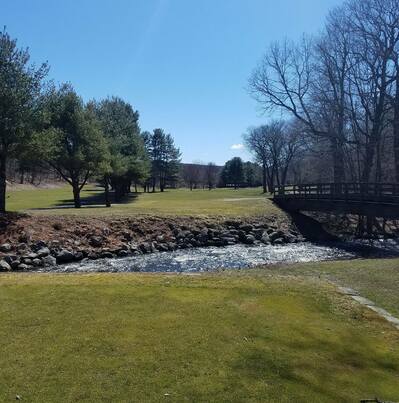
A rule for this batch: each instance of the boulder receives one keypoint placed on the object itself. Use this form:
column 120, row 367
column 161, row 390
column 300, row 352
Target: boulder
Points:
column 37, row 262
column 38, row 245
column 24, row 237
column 78, row 255
column 123, row 253
column 65, row 256
column 4, row 266
column 14, row 264
column 107, row 255
column 23, row 266
column 160, row 238
column 249, row 240
column 145, row 247
column 49, row 261
column 273, row 235
column 127, row 235
column 265, row 238
column 6, row 247
column 278, row 241
column 246, row 227
column 258, row 233
column 229, row 240
column 10, row 258
column 42, row 252
column 96, row 241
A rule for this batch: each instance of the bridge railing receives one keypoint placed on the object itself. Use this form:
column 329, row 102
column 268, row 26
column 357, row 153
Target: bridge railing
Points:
column 379, row 192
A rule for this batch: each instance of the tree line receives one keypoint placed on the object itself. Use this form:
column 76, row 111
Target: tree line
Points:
column 48, row 125
column 338, row 93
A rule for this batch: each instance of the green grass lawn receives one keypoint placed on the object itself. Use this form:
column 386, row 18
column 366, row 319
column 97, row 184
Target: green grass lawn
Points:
column 226, row 202
column 215, row 338
column 376, row 279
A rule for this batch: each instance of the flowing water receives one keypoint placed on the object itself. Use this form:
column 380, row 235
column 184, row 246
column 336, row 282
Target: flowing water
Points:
column 232, row 257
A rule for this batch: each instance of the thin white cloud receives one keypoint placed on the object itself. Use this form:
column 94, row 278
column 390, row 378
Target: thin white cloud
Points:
column 237, row 147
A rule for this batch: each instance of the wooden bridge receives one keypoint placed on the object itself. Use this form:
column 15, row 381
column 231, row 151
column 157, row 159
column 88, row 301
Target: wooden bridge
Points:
column 368, row 199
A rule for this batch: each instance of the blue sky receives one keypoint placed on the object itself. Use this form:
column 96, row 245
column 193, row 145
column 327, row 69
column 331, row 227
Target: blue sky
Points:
column 183, row 64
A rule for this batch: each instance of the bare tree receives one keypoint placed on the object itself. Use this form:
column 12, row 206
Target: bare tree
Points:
column 274, row 146
column 212, row 172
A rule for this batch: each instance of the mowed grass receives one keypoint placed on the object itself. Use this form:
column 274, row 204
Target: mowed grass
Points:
column 223, row 202
column 376, row 279
column 211, row 338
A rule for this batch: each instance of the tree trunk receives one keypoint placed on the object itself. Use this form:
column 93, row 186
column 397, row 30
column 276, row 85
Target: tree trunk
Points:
column 264, row 177
column 3, row 183
column 106, row 186
column 76, row 194
column 396, row 129
column 338, row 160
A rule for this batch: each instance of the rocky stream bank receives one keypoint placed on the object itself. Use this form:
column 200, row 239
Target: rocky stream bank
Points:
column 31, row 242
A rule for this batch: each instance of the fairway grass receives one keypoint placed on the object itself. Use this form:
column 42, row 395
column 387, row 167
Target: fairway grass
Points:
column 375, row 279
column 213, row 338
column 222, row 202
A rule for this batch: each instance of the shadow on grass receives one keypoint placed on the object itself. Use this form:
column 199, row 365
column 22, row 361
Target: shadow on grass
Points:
column 94, row 198
column 349, row 351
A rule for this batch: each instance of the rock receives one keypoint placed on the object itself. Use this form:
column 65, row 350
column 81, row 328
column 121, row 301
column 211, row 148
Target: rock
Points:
column 273, row 235
column 24, row 237
column 127, row 235
column 258, row 233
column 160, row 238
column 22, row 266
column 49, row 261
column 145, row 247
column 249, row 240
column 78, row 255
column 37, row 262
column 229, row 240
column 65, row 256
column 123, row 253
column 232, row 223
column 57, row 226
column 6, row 247
column 10, row 258
column 93, row 256
column 106, row 255
column 14, row 264
column 22, row 247
column 246, row 227
column 4, row 266
column 265, row 238
column 38, row 245
column 278, row 241
column 27, row 260
column 106, row 231
column 96, row 241
column 172, row 246
column 42, row 252
column 162, row 247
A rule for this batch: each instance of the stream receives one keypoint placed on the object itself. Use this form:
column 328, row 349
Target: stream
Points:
column 233, row 257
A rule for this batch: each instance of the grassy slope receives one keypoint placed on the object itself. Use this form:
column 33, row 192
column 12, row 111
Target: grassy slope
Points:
column 376, row 279
column 181, row 202
column 205, row 339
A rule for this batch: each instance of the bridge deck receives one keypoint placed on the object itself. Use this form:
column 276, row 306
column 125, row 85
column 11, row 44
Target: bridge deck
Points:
column 375, row 199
